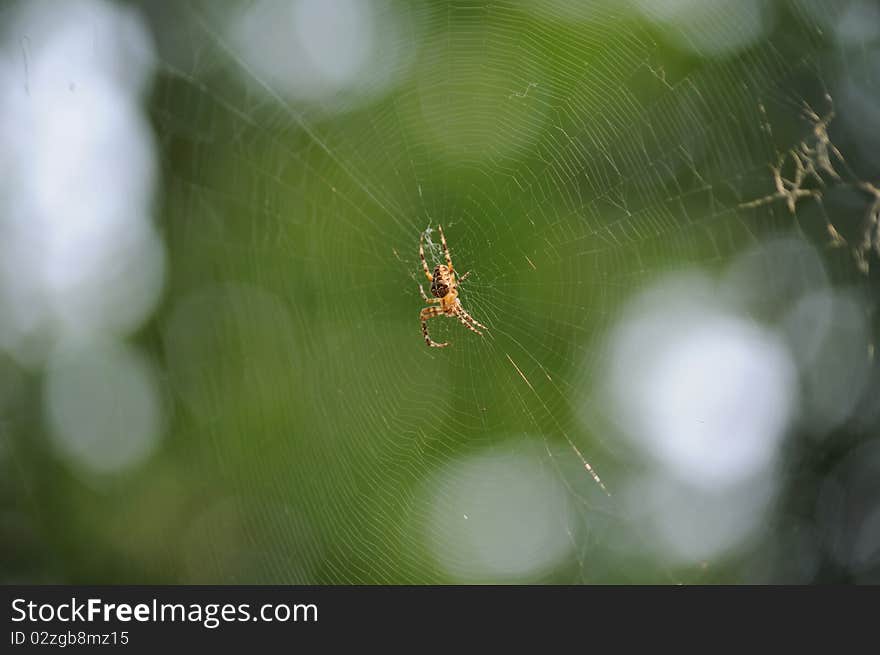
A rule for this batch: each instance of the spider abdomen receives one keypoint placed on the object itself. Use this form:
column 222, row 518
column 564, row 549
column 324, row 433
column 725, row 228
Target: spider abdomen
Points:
column 441, row 283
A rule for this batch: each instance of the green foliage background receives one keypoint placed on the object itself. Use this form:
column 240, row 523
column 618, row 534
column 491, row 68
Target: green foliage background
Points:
column 303, row 411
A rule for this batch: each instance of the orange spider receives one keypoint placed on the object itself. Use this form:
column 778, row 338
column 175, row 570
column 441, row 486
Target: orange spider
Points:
column 444, row 288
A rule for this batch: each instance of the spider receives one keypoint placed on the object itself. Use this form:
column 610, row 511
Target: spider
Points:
column 444, row 288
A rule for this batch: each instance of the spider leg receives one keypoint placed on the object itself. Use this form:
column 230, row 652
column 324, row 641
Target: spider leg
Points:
column 468, row 320
column 425, row 296
column 467, row 323
column 422, row 257
column 463, row 277
column 424, row 315
column 445, row 247
column 459, row 309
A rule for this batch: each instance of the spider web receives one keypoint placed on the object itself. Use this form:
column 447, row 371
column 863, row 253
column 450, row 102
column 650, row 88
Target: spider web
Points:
column 568, row 161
